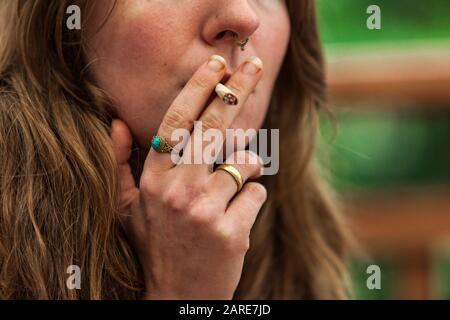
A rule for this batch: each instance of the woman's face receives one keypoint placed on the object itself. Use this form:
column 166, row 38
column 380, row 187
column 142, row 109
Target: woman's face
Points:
column 148, row 49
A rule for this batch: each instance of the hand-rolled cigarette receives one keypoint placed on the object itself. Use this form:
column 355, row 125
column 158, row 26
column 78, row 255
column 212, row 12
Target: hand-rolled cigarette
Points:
column 226, row 95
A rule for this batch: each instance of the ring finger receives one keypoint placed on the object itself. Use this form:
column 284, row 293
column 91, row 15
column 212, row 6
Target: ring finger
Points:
column 222, row 184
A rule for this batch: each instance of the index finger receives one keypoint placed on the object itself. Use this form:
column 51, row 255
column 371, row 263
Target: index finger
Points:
column 187, row 107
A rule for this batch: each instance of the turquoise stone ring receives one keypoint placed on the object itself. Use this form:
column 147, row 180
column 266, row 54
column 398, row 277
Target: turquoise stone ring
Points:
column 161, row 145
column 156, row 142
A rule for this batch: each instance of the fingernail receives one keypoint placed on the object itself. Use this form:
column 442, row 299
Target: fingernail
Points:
column 252, row 66
column 216, row 63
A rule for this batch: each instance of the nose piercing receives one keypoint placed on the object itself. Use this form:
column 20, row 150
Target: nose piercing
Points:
column 240, row 43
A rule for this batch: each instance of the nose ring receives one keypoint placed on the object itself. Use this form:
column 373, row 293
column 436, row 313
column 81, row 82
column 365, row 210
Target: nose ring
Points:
column 240, row 43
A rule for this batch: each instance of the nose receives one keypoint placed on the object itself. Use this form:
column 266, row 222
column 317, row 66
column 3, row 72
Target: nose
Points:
column 227, row 18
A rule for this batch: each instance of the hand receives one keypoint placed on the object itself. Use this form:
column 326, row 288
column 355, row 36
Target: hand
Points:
column 189, row 227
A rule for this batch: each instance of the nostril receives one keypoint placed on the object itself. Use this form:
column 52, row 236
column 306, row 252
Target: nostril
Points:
column 221, row 35
column 227, row 34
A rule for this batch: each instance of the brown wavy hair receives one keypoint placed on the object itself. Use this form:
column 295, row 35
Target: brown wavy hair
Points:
column 59, row 185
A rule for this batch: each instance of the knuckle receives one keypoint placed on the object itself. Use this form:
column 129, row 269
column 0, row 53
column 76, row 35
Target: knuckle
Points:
column 200, row 219
column 252, row 170
column 176, row 119
column 222, row 234
column 203, row 212
column 175, row 201
column 258, row 192
column 243, row 245
column 245, row 157
column 254, row 158
column 239, row 248
column 184, row 198
column 206, row 209
column 241, row 157
column 232, row 241
column 147, row 187
column 197, row 83
column 212, row 121
column 236, row 87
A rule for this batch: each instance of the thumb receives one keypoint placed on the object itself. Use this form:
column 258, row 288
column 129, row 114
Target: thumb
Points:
column 122, row 142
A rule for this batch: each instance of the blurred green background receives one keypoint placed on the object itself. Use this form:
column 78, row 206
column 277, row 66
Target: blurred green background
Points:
column 374, row 150
column 344, row 21
column 383, row 148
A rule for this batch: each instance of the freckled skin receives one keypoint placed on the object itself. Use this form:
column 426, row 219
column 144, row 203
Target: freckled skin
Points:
column 148, row 50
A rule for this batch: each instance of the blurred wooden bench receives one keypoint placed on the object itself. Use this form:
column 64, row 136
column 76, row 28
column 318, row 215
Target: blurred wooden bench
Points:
column 404, row 225
column 404, row 77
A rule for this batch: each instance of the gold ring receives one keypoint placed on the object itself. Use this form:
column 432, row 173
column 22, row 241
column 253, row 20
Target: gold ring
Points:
column 234, row 173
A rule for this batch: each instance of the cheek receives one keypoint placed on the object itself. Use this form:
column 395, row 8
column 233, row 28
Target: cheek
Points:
column 132, row 59
column 137, row 47
column 147, row 31
column 253, row 113
column 270, row 42
column 145, row 43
